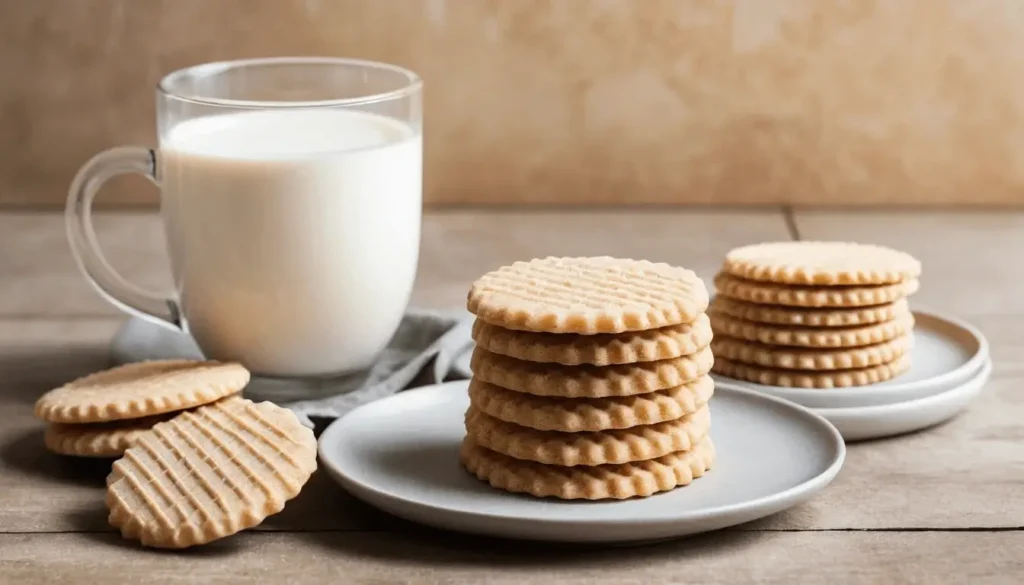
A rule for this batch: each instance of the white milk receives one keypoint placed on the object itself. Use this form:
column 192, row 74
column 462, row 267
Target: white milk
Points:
column 293, row 235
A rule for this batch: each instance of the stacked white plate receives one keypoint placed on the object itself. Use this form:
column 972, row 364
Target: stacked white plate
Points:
column 950, row 365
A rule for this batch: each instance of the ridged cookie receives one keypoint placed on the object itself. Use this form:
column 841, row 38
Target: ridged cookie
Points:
column 589, row 448
column 812, row 296
column 588, row 381
column 141, row 389
column 209, row 473
column 587, row 295
column 835, row 317
column 789, row 358
column 809, row 336
column 812, row 379
column 590, row 414
column 626, row 480
column 821, row 263
column 601, row 349
column 109, row 439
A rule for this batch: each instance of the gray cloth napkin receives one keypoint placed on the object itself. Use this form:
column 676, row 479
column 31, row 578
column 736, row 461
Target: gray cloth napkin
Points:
column 425, row 350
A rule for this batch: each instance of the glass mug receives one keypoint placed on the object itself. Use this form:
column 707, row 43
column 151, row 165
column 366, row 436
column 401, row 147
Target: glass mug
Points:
column 291, row 198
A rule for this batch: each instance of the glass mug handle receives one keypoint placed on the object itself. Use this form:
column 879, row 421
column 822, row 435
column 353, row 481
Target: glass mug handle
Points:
column 82, row 238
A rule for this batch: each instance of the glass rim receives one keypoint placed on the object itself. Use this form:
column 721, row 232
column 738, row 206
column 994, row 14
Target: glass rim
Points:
column 165, row 86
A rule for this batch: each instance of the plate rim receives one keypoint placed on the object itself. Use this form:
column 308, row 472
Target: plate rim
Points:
column 973, row 364
column 812, row 485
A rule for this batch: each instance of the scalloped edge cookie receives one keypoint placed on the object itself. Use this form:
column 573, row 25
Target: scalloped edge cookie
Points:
column 804, row 317
column 792, row 336
column 823, row 380
column 573, row 415
column 102, row 440
column 821, row 263
column 790, row 358
column 812, row 296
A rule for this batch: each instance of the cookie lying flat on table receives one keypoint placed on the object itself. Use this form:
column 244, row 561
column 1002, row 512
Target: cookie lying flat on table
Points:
column 590, row 414
column 621, row 481
column 821, row 263
column 599, row 349
column 803, row 317
column 812, row 296
column 789, row 335
column 109, row 439
column 822, row 379
column 587, row 295
column 791, row 358
column 141, row 389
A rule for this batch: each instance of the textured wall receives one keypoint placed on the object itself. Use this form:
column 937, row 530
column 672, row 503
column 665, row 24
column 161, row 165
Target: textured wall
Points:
column 573, row 101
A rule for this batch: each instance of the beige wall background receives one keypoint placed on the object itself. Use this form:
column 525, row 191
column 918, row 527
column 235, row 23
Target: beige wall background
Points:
column 572, row 101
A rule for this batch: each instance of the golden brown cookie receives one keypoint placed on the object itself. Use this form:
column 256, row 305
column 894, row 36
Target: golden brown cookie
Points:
column 588, row 381
column 789, row 358
column 821, row 263
column 587, row 295
column 109, row 439
column 835, row 317
column 209, row 473
column 813, row 337
column 812, row 379
column 621, row 481
column 141, row 389
column 602, row 349
column 590, row 414
column 588, row 448
column 812, row 296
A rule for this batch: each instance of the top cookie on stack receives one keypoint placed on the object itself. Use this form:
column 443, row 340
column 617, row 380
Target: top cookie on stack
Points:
column 589, row 378
column 814, row 314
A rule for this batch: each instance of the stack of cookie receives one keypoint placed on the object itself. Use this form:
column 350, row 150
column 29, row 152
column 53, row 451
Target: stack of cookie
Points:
column 590, row 378
column 814, row 314
column 197, row 461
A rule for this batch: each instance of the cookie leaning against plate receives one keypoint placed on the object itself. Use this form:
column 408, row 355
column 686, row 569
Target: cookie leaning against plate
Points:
column 603, row 349
column 588, row 381
column 573, row 415
column 821, row 263
column 792, row 358
column 822, row 379
column 209, row 473
column 812, row 296
column 587, row 295
column 789, row 335
column 588, row 448
column 616, row 481
column 803, row 317
column 141, row 389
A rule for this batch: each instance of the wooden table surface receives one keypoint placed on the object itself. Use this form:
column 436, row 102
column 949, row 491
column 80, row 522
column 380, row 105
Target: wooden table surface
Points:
column 941, row 506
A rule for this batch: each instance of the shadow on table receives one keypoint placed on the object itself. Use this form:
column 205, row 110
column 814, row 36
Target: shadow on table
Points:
column 25, row 453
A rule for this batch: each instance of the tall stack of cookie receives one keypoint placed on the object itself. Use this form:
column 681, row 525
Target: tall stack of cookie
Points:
column 814, row 314
column 590, row 378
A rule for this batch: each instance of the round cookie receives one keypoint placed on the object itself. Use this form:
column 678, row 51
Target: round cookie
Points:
column 821, row 263
column 587, row 295
column 109, row 439
column 726, row 326
column 737, row 350
column 602, row 349
column 812, row 379
column 803, row 317
column 141, row 389
column 587, row 448
column 812, row 296
column 626, row 480
column 590, row 414
column 588, row 381
column 209, row 473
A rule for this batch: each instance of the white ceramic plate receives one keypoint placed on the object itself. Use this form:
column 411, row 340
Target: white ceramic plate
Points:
column 400, row 454
column 874, row 422
column 947, row 352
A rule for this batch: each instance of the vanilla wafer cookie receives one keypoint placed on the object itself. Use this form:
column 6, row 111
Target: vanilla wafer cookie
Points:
column 790, row 335
column 590, row 414
column 600, row 482
column 587, row 295
column 812, row 379
column 588, row 448
column 834, row 317
column 602, row 349
column 141, row 389
column 812, row 296
column 588, row 381
column 790, row 358
column 821, row 263
column 109, row 439
column 209, row 473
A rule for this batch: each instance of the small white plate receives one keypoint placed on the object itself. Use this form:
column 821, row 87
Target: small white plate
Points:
column 400, row 454
column 874, row 422
column 947, row 352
